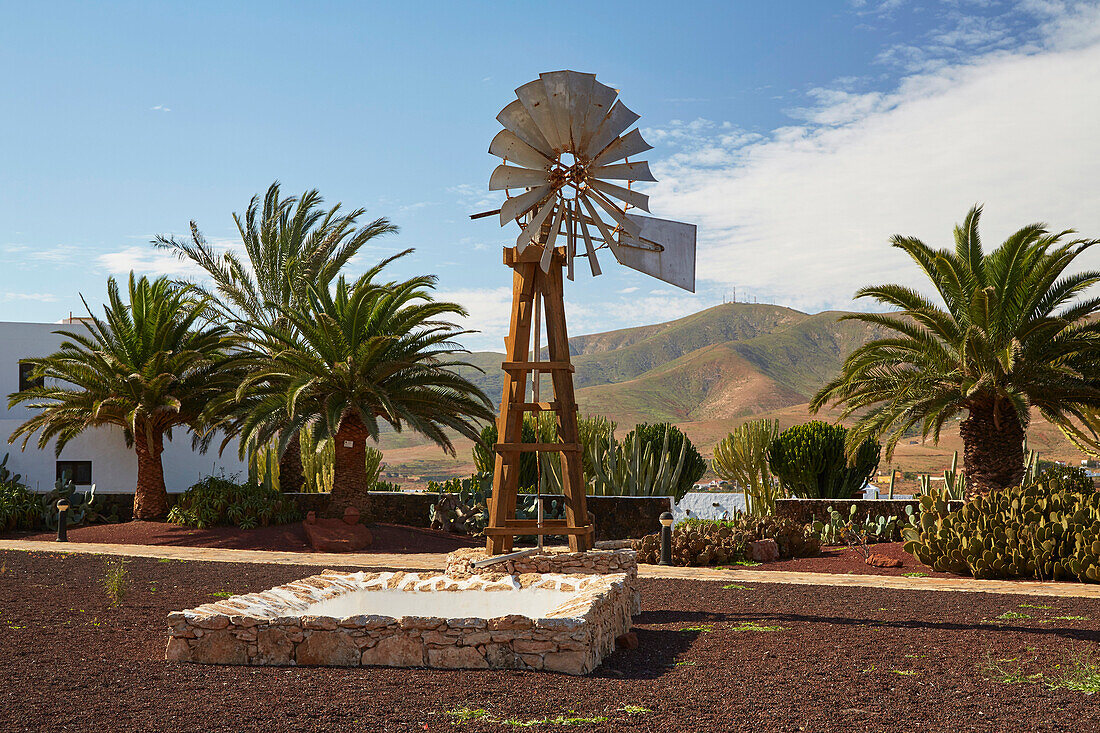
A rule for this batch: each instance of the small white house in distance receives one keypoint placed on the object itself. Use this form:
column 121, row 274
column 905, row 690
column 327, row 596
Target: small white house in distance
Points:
column 98, row 456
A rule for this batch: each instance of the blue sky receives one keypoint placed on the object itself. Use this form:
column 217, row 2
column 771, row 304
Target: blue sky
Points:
column 797, row 135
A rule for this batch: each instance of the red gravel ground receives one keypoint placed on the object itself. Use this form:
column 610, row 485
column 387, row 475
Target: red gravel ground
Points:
column 284, row 538
column 850, row 560
column 817, row 659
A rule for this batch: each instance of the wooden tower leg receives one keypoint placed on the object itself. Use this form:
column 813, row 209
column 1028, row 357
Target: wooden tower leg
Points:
column 572, row 470
column 502, row 505
column 503, row 527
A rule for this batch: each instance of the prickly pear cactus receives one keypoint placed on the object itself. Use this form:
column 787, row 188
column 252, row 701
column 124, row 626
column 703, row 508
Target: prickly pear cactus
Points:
column 1042, row 530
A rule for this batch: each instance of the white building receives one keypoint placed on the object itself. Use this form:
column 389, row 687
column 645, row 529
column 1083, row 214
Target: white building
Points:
column 99, row 456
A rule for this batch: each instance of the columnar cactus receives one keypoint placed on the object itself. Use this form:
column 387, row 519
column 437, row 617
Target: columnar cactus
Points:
column 811, row 463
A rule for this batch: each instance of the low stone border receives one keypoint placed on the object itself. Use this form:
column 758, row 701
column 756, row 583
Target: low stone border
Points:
column 273, row 628
column 460, row 563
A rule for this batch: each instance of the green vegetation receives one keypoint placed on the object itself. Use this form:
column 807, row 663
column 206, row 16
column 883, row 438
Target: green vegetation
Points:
column 698, row 542
column 1081, row 674
column 116, row 581
column 637, row 468
column 290, row 245
column 1016, row 337
column 154, row 362
column 1044, row 530
column 18, row 505
column 350, row 359
column 742, row 458
column 217, row 501
column 667, row 438
column 753, row 626
column 811, row 463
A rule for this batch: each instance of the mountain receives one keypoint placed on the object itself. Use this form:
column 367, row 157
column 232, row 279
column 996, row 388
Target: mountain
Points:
column 728, row 361
column 706, row 373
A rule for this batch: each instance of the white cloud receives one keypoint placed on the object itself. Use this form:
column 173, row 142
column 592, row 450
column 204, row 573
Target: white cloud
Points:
column 149, row 261
column 161, row 108
column 490, row 311
column 805, row 214
column 628, row 291
column 39, row 297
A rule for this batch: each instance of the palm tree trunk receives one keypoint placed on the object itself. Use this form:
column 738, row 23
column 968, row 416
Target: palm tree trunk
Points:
column 993, row 455
column 290, row 466
column 349, row 480
column 150, row 495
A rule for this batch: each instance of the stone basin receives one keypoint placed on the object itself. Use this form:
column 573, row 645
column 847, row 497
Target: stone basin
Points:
column 557, row 622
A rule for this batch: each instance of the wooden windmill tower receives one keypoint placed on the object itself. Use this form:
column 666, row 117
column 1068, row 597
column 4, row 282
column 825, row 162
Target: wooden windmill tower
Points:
column 563, row 141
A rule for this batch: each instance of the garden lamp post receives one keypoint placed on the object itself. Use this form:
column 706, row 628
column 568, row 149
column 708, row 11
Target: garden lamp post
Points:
column 62, row 520
column 666, row 539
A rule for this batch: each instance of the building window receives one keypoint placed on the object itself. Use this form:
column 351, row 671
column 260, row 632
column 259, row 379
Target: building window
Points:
column 79, row 471
column 26, row 381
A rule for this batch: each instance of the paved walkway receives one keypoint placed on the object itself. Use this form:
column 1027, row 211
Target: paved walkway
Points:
column 431, row 561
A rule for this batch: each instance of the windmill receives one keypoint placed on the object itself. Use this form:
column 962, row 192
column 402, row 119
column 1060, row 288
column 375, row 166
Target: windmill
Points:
column 564, row 141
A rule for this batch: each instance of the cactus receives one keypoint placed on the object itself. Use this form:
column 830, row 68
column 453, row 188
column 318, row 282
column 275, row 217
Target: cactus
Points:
column 1046, row 530
column 80, row 503
column 742, row 458
column 811, row 462
column 18, row 504
column 263, row 467
column 633, row 468
column 840, row 530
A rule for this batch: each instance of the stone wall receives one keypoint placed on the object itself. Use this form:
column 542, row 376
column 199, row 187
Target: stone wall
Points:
column 617, row 517
column 460, row 563
column 275, row 628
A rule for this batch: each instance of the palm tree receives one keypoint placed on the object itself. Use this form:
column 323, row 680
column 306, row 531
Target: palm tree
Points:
column 149, row 365
column 290, row 245
column 367, row 353
column 1014, row 335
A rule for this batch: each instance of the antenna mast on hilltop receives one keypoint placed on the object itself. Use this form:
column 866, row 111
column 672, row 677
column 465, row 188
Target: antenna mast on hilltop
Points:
column 563, row 141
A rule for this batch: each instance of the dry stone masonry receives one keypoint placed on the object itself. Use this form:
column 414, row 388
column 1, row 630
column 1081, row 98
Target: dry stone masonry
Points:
column 276, row 627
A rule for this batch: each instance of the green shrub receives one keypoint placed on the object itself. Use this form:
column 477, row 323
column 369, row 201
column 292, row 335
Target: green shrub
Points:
column 653, row 437
column 19, row 508
column 116, row 581
column 810, row 461
column 1044, row 530
column 1070, row 478
column 218, row 501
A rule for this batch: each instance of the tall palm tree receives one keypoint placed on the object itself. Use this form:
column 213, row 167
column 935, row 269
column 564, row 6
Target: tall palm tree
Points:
column 367, row 353
column 1014, row 335
column 151, row 364
column 290, row 244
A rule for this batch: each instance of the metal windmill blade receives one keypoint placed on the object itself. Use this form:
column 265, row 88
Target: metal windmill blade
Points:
column 566, row 149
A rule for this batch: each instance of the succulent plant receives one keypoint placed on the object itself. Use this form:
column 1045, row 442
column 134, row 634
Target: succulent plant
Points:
column 877, row 528
column 81, row 503
column 18, row 505
column 697, row 542
column 1047, row 529
column 633, row 468
column 811, row 463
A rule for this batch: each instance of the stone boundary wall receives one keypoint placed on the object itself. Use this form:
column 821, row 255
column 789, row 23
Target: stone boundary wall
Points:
column 460, row 563
column 617, row 517
column 273, row 628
